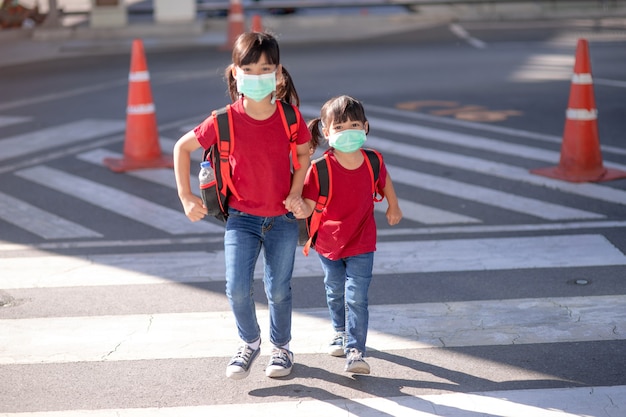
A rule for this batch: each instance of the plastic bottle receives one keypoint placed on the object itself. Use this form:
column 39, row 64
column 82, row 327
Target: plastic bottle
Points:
column 206, row 175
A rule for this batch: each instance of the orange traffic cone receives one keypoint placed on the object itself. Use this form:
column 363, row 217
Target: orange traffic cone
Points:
column 581, row 158
column 141, row 146
column 257, row 25
column 236, row 23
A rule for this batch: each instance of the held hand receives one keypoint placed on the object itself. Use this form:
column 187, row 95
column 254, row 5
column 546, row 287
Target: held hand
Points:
column 193, row 206
column 394, row 215
column 297, row 206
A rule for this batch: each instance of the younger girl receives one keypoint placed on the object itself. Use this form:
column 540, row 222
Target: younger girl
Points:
column 262, row 176
column 346, row 238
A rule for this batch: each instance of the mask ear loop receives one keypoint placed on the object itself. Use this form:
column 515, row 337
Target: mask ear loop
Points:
column 273, row 100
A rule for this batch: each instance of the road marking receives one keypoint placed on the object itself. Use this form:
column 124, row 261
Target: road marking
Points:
column 13, row 120
column 488, row 196
column 553, row 402
column 121, row 203
column 392, row 327
column 38, row 141
column 50, row 271
column 411, row 211
column 40, row 222
column 498, row 169
column 463, row 34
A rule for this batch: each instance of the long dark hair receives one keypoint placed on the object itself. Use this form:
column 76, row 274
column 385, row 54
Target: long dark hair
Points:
column 248, row 49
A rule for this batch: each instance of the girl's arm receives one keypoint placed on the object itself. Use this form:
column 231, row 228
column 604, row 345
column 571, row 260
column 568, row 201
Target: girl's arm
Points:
column 394, row 214
column 192, row 204
column 294, row 199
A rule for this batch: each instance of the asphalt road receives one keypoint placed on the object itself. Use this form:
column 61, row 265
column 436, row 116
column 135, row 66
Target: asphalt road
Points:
column 497, row 284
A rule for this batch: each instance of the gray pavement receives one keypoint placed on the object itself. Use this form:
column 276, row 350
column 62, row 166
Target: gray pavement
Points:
column 76, row 38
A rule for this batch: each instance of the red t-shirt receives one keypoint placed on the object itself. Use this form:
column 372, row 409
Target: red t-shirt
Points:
column 347, row 227
column 260, row 160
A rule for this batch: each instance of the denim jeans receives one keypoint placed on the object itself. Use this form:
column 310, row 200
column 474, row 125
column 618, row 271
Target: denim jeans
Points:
column 347, row 283
column 244, row 237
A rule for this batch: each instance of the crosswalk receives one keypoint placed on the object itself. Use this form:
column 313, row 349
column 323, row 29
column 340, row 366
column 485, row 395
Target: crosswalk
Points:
column 483, row 217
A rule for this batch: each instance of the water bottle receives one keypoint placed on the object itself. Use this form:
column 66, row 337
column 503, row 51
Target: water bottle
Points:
column 206, row 175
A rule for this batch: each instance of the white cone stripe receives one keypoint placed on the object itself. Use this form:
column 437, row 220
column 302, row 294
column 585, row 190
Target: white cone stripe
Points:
column 554, row 402
column 139, row 76
column 40, row 222
column 391, row 327
column 582, row 79
column 391, row 258
column 124, row 204
column 140, row 109
column 497, row 169
column 581, row 114
column 40, row 140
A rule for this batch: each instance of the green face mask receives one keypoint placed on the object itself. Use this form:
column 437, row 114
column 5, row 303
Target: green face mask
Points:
column 256, row 87
column 348, row 140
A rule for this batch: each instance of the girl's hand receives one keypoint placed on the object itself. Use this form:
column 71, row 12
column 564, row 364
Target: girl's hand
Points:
column 298, row 207
column 394, row 215
column 193, row 206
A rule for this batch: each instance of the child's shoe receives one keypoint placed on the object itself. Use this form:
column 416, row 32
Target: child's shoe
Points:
column 355, row 363
column 336, row 347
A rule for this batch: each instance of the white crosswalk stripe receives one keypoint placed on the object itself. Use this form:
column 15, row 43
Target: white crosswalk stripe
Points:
column 40, row 222
column 136, row 208
column 391, row 258
column 94, row 339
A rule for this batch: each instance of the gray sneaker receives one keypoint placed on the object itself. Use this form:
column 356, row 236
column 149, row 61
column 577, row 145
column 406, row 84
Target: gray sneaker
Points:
column 336, row 347
column 239, row 365
column 280, row 363
column 355, row 363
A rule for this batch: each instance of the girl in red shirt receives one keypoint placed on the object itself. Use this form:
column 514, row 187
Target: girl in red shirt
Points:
column 262, row 219
column 346, row 238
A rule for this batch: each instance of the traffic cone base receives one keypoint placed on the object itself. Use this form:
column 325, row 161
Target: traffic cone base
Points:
column 141, row 146
column 603, row 174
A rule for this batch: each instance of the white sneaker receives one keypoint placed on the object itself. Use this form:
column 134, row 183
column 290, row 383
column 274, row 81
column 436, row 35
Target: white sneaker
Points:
column 355, row 363
column 239, row 365
column 336, row 347
column 280, row 363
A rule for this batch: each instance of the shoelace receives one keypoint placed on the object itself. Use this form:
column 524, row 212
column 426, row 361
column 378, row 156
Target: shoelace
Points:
column 243, row 354
column 279, row 357
column 355, row 355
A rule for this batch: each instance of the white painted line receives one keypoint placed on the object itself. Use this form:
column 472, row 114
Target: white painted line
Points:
column 554, row 402
column 426, row 214
column 165, row 177
column 392, row 327
column 488, row 196
column 496, row 169
column 121, row 203
column 610, row 83
column 504, row 228
column 38, row 141
column 13, row 120
column 411, row 257
column 463, row 34
column 40, row 222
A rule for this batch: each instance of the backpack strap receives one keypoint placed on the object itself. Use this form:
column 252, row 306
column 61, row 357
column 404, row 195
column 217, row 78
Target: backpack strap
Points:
column 321, row 167
column 372, row 159
column 223, row 124
column 290, row 120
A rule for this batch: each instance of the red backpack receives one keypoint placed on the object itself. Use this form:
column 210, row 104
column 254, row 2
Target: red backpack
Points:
column 215, row 198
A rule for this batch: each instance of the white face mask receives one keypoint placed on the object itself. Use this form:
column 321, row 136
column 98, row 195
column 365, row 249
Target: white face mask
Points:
column 348, row 140
column 255, row 87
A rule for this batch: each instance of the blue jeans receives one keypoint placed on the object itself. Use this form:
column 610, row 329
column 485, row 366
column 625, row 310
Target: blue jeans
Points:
column 347, row 283
column 244, row 237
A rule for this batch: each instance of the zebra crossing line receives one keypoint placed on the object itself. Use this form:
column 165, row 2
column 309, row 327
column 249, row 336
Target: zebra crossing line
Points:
column 173, row 222
column 69, row 341
column 487, row 254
